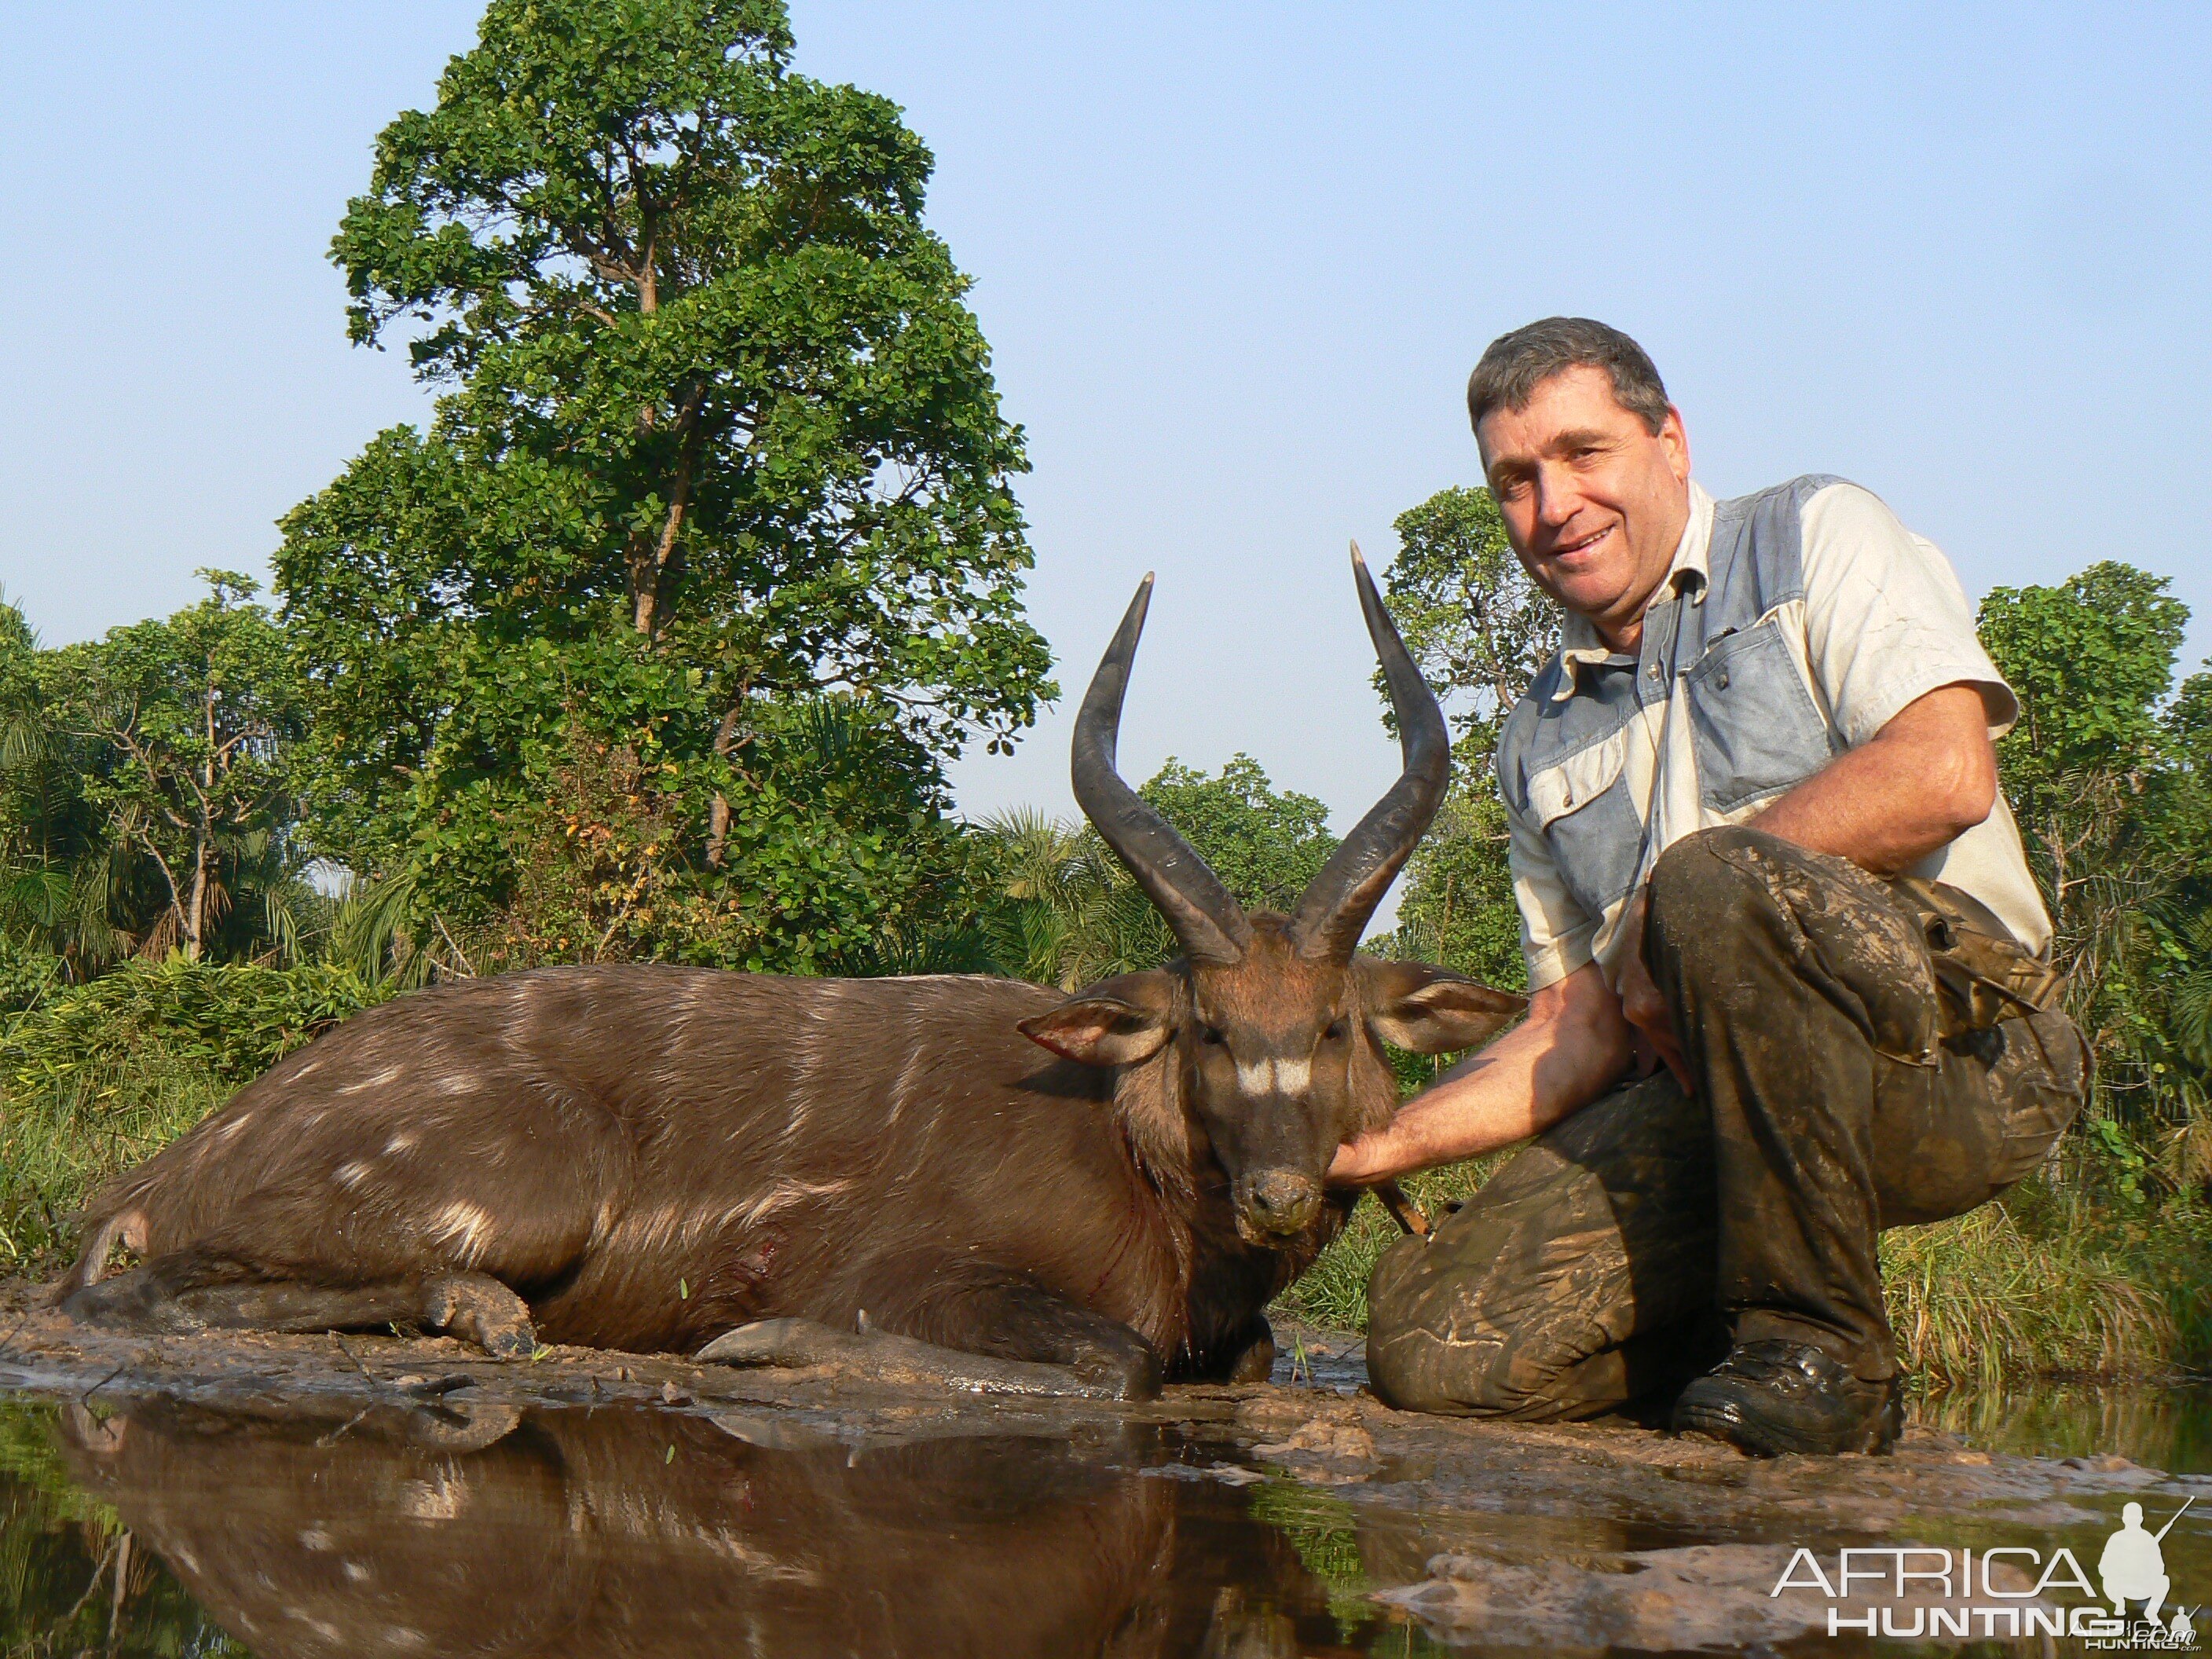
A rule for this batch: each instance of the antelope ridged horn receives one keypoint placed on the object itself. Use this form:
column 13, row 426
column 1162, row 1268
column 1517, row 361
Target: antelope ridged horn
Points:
column 1334, row 908
column 1207, row 921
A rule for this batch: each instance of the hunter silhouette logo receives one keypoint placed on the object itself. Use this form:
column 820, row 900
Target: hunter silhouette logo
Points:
column 2133, row 1568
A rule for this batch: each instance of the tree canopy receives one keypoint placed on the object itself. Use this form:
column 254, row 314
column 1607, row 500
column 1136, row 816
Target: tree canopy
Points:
column 1265, row 846
column 146, row 785
column 721, row 445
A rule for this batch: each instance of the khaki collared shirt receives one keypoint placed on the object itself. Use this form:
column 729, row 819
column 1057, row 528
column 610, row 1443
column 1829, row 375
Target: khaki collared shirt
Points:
column 1882, row 621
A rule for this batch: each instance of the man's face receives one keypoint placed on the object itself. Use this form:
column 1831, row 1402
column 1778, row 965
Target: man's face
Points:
column 1594, row 501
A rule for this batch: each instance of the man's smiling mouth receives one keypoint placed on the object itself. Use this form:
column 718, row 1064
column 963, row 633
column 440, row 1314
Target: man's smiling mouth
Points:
column 1576, row 549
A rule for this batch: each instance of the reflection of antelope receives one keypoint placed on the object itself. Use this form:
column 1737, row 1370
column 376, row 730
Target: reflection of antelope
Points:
column 646, row 1157
column 622, row 1533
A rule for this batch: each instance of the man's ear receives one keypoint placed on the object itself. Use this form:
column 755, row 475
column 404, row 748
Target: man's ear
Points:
column 1433, row 1011
column 1116, row 1022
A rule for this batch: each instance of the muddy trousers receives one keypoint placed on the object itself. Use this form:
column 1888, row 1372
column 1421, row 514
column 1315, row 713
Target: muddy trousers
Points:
column 1842, row 1085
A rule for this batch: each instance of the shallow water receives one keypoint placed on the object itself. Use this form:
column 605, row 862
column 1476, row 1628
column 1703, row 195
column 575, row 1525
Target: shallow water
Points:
column 159, row 1529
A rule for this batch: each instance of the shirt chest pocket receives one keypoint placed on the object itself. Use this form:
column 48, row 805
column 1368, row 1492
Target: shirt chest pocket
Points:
column 1591, row 823
column 1757, row 730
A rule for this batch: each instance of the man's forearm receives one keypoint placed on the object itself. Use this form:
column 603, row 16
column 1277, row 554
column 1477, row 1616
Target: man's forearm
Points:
column 1573, row 1044
column 1924, row 779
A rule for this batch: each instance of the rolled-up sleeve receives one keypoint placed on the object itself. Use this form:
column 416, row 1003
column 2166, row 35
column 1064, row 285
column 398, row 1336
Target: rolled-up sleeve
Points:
column 1557, row 934
column 1886, row 620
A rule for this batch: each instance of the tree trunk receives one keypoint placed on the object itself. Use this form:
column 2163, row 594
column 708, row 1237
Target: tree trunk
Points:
column 718, row 814
column 196, row 911
column 654, row 565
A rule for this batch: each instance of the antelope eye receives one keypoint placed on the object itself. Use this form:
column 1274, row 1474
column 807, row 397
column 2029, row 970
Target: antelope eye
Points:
column 1338, row 1032
column 1209, row 1033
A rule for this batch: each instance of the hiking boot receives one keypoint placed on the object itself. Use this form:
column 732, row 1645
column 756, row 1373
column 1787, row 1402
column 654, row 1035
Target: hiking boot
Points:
column 1771, row 1397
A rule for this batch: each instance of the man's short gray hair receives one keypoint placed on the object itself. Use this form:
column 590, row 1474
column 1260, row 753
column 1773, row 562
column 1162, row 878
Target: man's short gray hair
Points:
column 1517, row 363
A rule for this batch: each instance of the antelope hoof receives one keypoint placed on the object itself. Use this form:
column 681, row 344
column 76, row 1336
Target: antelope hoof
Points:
column 483, row 1311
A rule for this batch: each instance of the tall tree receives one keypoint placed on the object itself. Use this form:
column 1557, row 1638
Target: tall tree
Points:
column 54, row 888
column 2101, row 774
column 720, row 437
column 2091, row 660
column 1479, row 629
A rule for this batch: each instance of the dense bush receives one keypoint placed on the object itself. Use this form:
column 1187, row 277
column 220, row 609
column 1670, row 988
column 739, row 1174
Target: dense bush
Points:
column 232, row 1022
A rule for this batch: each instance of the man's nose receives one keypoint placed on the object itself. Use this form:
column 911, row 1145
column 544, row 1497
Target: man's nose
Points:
column 1557, row 499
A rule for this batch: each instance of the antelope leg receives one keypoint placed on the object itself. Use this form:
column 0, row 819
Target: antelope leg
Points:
column 898, row 1361
column 1407, row 1213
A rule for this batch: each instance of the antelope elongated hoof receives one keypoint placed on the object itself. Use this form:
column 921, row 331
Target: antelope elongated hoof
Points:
column 795, row 1344
column 137, row 1302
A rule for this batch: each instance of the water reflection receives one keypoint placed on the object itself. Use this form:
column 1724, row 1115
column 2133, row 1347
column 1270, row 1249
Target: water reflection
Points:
column 2168, row 1429
column 170, row 1531
column 405, row 1533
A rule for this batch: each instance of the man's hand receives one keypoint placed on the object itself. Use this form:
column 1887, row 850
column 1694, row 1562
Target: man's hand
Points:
column 1641, row 1005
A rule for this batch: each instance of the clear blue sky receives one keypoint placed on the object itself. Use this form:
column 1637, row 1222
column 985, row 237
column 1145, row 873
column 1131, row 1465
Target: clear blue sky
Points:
column 1235, row 263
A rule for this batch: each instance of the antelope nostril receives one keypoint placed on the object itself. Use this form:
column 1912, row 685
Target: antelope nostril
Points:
column 1284, row 1199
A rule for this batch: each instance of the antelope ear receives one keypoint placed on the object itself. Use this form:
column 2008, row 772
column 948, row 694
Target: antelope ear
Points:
column 1433, row 1011
column 1117, row 1023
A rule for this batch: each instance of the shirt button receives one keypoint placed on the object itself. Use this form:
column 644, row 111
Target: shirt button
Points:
column 1721, row 679
column 1653, row 671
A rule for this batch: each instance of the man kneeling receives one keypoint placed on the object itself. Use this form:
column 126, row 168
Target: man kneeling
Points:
column 1789, row 965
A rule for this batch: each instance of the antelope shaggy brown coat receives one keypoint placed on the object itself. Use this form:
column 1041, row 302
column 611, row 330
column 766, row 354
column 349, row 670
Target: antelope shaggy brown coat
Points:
column 1112, row 1184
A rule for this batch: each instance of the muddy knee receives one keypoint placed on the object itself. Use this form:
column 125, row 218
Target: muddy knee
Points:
column 1698, row 892
column 482, row 1310
column 1602, row 1231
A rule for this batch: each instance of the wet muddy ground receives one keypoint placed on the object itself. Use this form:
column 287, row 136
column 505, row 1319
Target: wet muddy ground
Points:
column 373, row 1496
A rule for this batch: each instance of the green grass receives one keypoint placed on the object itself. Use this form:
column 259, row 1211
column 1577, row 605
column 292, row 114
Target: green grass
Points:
column 2033, row 1286
column 60, row 1140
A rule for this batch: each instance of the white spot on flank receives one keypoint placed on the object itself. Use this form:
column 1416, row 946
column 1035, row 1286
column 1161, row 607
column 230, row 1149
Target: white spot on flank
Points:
column 780, row 1196
column 351, row 1174
column 458, row 1083
column 229, row 1131
column 377, row 1080
column 1264, row 1077
column 398, row 1145
column 464, row 1226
